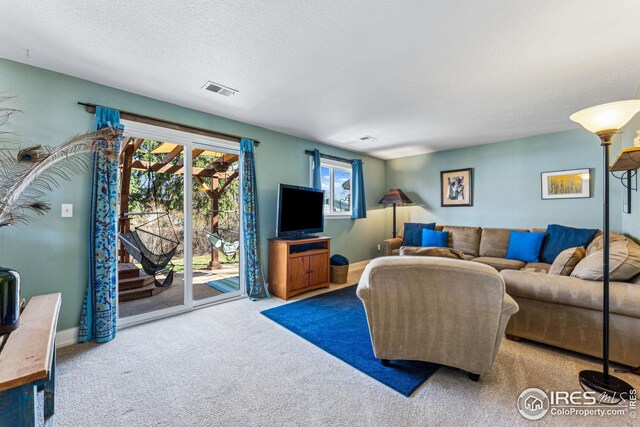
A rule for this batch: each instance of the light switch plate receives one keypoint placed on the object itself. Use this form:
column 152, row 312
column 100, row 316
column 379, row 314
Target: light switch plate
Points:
column 67, row 210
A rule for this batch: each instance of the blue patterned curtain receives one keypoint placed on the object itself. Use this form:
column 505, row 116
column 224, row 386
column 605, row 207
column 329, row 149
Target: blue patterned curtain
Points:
column 317, row 177
column 359, row 208
column 254, row 279
column 98, row 317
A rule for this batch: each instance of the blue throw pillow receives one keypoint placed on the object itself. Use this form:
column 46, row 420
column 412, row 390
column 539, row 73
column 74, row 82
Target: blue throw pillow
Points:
column 413, row 233
column 560, row 238
column 524, row 246
column 433, row 238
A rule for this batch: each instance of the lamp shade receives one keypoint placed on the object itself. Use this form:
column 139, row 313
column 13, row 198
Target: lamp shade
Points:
column 395, row 196
column 610, row 116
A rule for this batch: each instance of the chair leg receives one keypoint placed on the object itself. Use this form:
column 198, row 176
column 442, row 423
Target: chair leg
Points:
column 385, row 362
column 473, row 377
column 513, row 338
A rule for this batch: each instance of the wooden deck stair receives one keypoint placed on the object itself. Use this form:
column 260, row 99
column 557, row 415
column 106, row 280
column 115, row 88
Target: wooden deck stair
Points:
column 135, row 284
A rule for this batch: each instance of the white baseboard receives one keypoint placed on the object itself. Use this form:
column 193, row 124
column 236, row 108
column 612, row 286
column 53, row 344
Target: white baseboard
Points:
column 67, row 337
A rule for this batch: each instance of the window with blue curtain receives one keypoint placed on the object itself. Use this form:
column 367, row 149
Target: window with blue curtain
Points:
column 342, row 181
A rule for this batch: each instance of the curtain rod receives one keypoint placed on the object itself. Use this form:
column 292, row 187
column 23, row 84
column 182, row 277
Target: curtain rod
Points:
column 126, row 115
column 329, row 156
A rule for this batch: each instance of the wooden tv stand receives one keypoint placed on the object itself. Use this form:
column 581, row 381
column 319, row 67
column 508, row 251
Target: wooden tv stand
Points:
column 297, row 266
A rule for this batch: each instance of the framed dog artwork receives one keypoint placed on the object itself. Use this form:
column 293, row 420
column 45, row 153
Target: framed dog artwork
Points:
column 456, row 187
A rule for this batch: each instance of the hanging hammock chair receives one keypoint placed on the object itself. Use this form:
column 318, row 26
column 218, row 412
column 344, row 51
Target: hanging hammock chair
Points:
column 226, row 239
column 228, row 248
column 154, row 262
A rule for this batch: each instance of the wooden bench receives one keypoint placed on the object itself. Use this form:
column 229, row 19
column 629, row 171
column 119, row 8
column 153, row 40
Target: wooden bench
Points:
column 28, row 364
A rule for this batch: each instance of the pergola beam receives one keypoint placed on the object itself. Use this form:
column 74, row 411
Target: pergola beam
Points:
column 173, row 154
column 137, row 143
column 227, row 182
column 160, row 167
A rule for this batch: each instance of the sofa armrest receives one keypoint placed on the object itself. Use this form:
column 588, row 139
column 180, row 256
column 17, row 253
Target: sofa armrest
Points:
column 509, row 306
column 389, row 245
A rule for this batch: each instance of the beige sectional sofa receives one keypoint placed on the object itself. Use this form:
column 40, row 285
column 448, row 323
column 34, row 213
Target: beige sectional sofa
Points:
column 562, row 311
column 484, row 245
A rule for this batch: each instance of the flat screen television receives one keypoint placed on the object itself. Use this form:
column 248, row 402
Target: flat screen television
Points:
column 300, row 212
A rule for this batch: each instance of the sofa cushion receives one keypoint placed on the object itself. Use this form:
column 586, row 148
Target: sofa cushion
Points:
column 598, row 242
column 500, row 263
column 395, row 251
column 466, row 239
column 431, row 251
column 438, row 239
column 524, row 246
column 624, row 262
column 412, row 232
column 560, row 238
column 537, row 267
column 564, row 263
column 624, row 297
column 495, row 242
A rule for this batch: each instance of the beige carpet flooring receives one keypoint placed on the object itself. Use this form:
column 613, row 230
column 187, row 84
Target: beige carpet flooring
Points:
column 228, row 365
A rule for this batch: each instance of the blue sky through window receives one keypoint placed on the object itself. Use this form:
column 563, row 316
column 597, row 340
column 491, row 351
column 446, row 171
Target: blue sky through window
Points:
column 341, row 190
column 336, row 184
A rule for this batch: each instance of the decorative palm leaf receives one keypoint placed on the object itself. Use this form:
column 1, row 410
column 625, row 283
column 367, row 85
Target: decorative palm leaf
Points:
column 26, row 174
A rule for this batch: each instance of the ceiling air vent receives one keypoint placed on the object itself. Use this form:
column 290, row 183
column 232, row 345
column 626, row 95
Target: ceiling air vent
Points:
column 219, row 89
column 368, row 138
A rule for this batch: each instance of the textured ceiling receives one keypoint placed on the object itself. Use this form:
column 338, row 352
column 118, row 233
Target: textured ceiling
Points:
column 419, row 76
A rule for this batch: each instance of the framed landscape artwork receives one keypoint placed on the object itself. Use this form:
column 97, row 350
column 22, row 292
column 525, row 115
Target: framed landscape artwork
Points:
column 567, row 184
column 456, row 188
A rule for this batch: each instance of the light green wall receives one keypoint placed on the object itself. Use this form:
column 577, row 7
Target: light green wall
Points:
column 507, row 183
column 51, row 253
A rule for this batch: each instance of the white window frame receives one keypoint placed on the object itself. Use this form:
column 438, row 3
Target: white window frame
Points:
column 332, row 165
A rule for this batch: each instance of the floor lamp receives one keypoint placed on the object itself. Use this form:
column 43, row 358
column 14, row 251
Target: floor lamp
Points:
column 395, row 197
column 605, row 121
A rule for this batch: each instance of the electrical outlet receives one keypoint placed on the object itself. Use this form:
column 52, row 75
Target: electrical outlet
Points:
column 379, row 248
column 67, row 211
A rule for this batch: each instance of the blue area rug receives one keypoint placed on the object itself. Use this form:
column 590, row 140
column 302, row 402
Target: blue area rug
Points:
column 228, row 284
column 336, row 322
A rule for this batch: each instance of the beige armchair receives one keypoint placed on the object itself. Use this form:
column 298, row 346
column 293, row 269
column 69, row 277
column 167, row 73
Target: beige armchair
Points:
column 390, row 246
column 439, row 310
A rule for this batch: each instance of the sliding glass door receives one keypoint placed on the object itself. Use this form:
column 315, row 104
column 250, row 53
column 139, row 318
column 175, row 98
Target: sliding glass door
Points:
column 179, row 223
column 151, row 222
column 216, row 224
